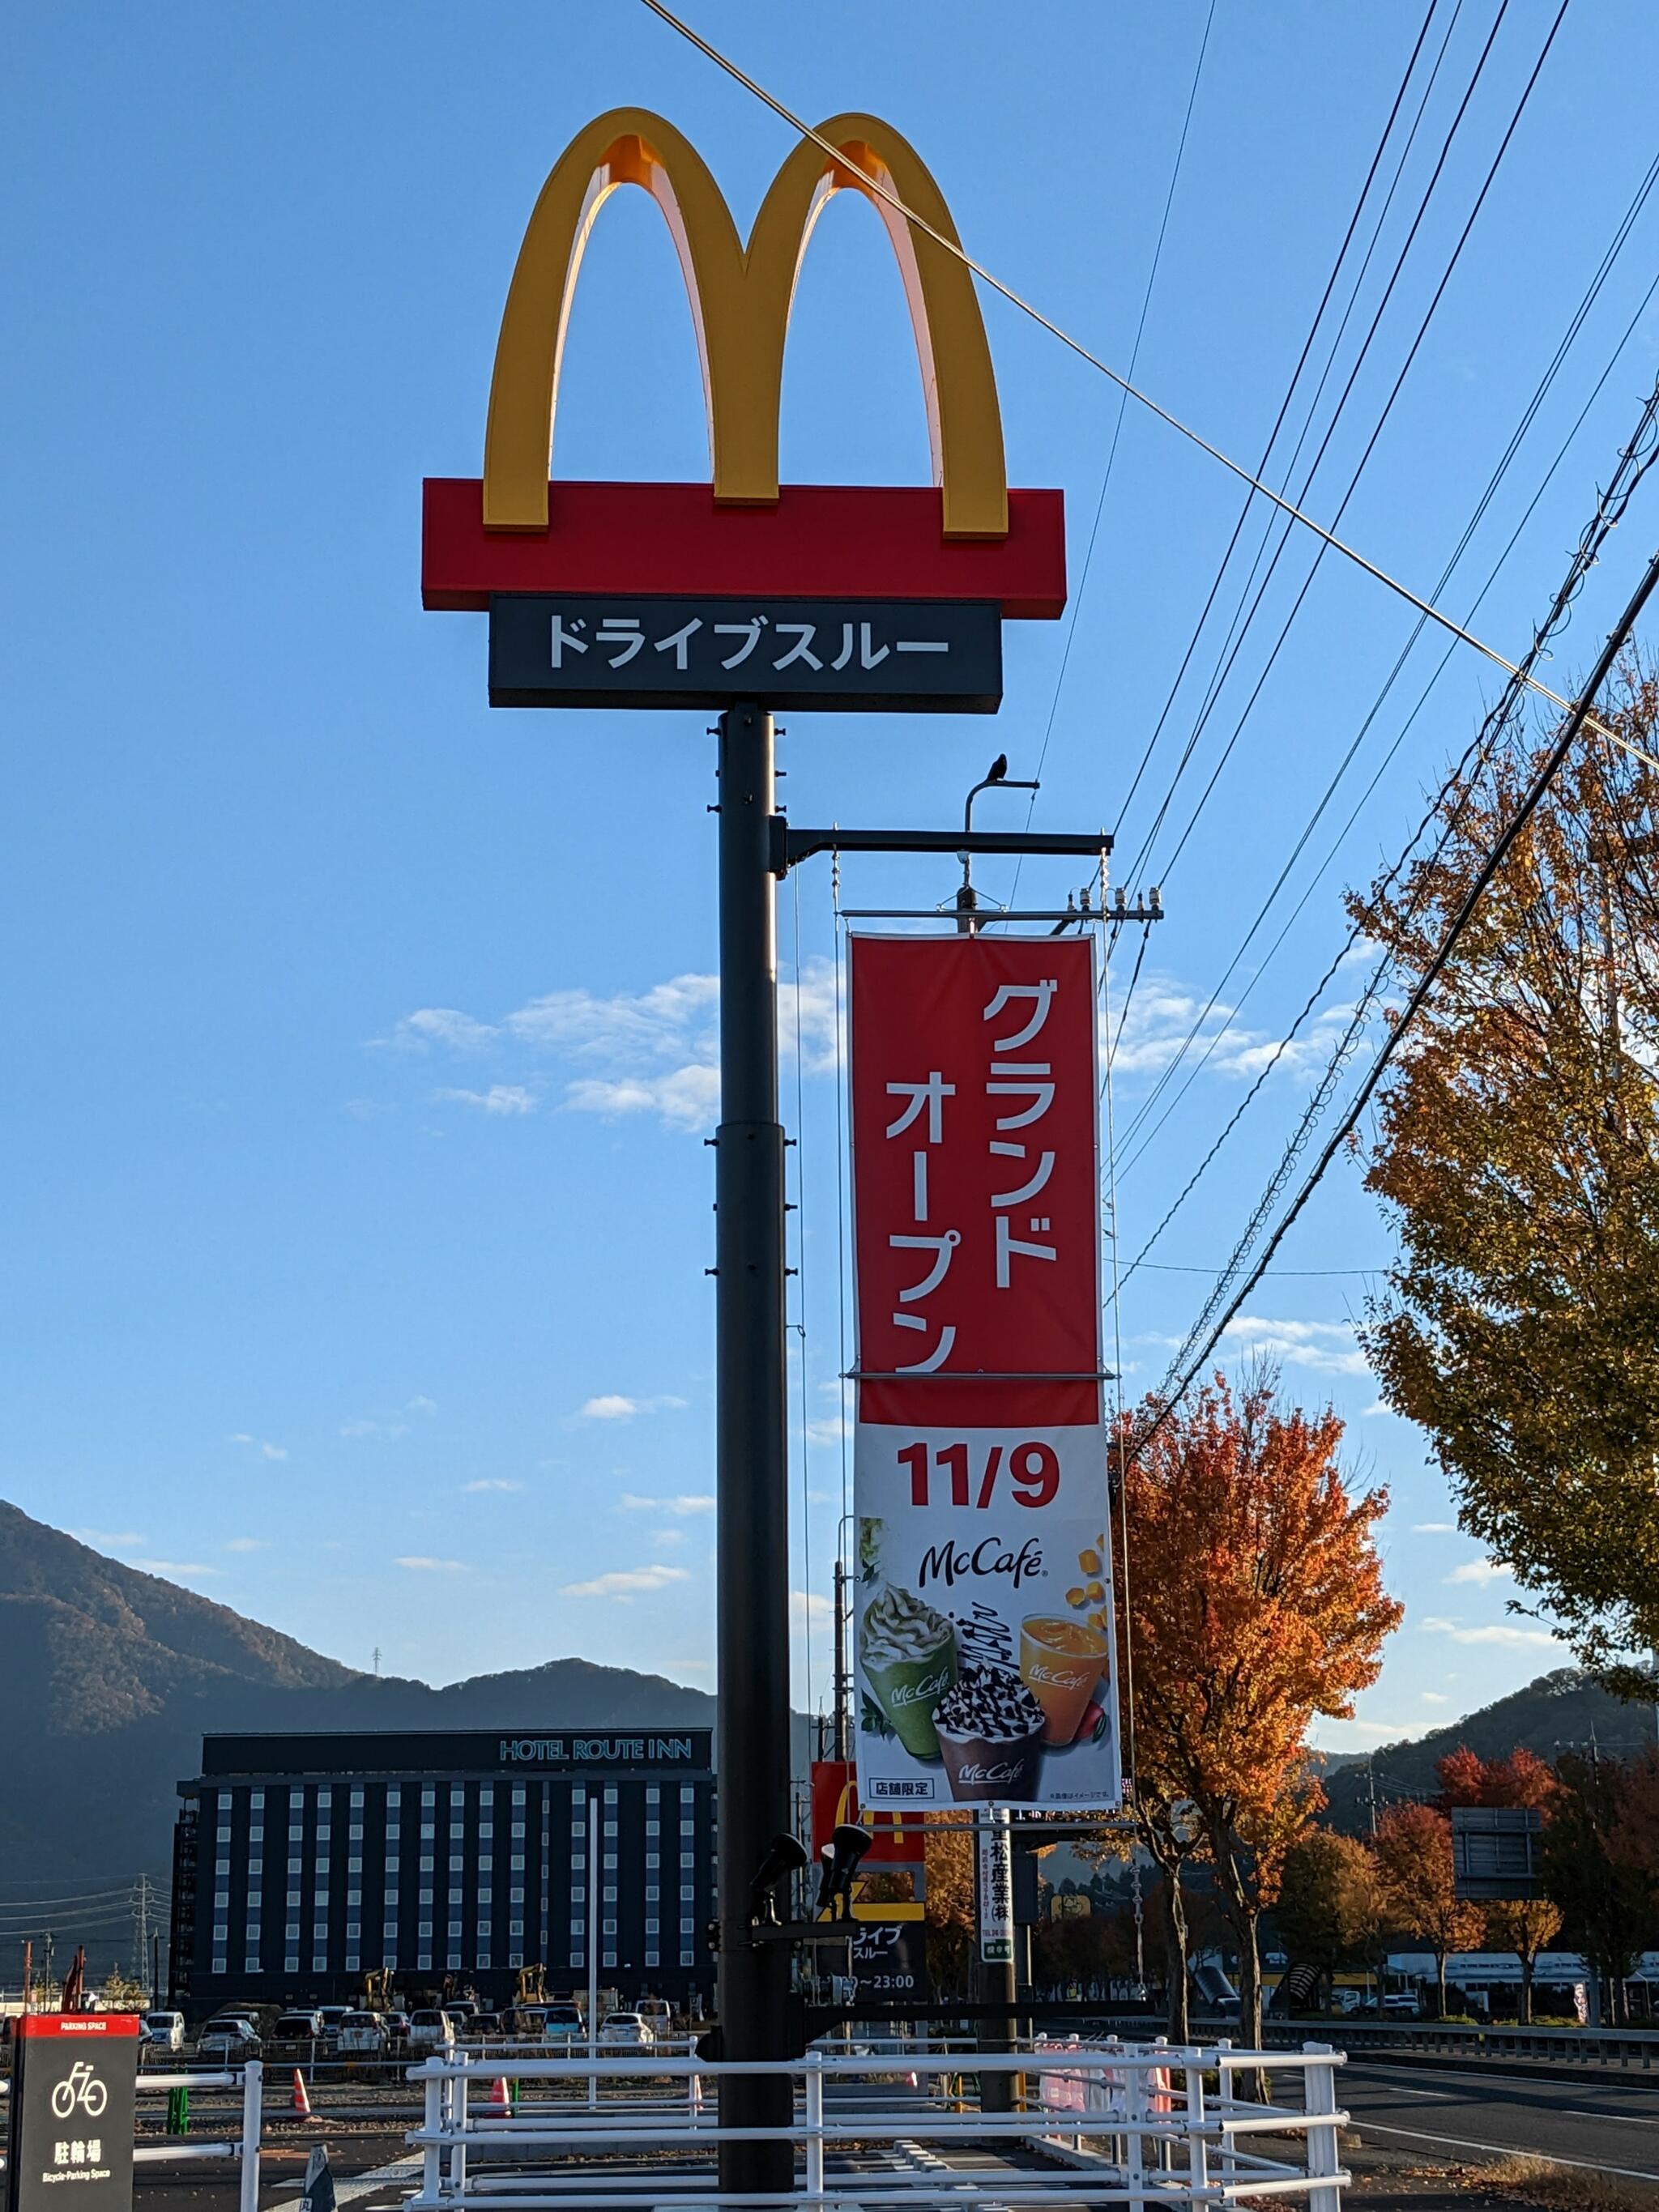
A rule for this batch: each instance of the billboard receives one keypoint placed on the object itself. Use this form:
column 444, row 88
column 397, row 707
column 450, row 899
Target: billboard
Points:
column 984, row 1614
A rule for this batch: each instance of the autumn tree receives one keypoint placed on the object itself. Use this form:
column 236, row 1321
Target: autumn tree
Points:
column 1593, row 1870
column 1254, row 1598
column 1414, row 1852
column 1524, row 1925
column 949, row 1907
column 1518, row 1159
column 1520, row 1777
column 1330, row 1904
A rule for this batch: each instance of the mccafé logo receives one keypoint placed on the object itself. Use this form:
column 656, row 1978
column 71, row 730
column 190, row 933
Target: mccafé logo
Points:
column 740, row 299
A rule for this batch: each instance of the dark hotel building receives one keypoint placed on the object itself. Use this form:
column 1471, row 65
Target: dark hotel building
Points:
column 303, row 1862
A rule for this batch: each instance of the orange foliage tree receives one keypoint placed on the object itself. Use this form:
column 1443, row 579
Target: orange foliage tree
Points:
column 1254, row 1600
column 1521, row 1777
column 1414, row 1851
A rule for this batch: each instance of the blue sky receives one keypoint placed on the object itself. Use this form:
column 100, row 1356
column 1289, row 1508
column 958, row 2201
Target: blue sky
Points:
column 357, row 1211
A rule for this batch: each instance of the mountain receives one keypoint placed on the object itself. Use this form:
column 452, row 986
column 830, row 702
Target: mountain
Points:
column 112, row 1677
column 1562, row 1711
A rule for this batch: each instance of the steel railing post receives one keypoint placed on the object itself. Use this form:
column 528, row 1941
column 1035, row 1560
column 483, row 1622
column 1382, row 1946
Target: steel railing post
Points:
column 1135, row 2138
column 1198, row 2150
column 813, row 2086
column 432, row 2127
column 253, row 2127
column 1323, row 2152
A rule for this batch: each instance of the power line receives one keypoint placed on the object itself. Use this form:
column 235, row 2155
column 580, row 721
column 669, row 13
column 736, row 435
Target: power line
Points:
column 1638, row 456
column 1593, row 291
column 1387, row 409
column 1301, row 363
column 1117, row 426
column 953, row 247
column 1575, row 723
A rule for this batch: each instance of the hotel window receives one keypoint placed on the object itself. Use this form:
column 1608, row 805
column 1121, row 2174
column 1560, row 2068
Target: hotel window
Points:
column 515, row 1928
column 454, row 1960
column 256, row 1800
column 220, row 1967
column 609, row 1958
column 292, row 1931
column 515, row 1957
column 351, row 1962
column 610, row 1796
column 221, row 1866
column 221, row 1937
column 291, row 1963
column 651, row 1959
column 688, row 1958
column 653, row 1796
column 518, row 1794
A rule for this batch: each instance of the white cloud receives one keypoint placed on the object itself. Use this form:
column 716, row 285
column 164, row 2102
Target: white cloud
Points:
column 1480, row 1571
column 810, row 1609
column 1433, row 1697
column 1434, row 1528
column 109, row 1538
column 625, row 1584
column 1371, row 1411
column 489, row 1482
column 1325, row 1345
column 172, row 1567
column 500, row 1098
column 688, row 1502
column 265, row 1450
column 665, row 1539
column 1501, row 1632
column 1163, row 1012
column 418, row 1566
column 612, row 1406
column 655, row 1051
column 418, row 1405
column 248, row 1544
column 384, row 1432
column 442, row 1025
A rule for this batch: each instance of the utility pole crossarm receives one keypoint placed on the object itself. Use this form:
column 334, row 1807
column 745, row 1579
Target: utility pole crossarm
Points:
column 790, row 845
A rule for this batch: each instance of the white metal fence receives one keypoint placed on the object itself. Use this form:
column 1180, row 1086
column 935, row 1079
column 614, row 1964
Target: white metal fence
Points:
column 1140, row 2125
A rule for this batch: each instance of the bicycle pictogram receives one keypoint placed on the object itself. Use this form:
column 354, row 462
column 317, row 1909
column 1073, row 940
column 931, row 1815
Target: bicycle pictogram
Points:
column 82, row 2087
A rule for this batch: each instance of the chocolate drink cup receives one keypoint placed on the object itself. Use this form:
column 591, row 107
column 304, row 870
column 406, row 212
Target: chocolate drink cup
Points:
column 907, row 1691
column 983, row 1772
column 1060, row 1663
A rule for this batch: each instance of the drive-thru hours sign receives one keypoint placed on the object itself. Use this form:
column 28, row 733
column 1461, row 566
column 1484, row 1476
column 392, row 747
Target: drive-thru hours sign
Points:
column 72, row 2095
column 984, row 1613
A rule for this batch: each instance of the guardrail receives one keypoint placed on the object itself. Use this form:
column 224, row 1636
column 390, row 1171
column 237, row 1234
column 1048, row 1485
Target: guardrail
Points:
column 1150, row 2124
column 1586, row 2047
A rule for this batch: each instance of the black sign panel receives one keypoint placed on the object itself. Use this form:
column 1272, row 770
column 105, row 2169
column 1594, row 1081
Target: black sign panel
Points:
column 849, row 656
column 890, row 1961
column 72, row 2096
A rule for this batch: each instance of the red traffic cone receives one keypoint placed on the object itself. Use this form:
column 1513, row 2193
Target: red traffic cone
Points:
column 499, row 2100
column 301, row 2102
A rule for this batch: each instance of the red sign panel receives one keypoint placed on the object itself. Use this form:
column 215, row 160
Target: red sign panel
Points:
column 836, row 1799
column 976, row 1225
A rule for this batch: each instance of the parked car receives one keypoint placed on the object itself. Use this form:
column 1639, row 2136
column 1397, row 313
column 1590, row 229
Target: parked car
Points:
column 330, row 2015
column 1401, row 2001
column 485, row 2023
column 397, row 2027
column 298, row 2027
column 428, row 2028
column 361, row 2034
column 230, row 2035
column 657, row 2014
column 626, row 2031
column 561, row 2023
column 164, row 2031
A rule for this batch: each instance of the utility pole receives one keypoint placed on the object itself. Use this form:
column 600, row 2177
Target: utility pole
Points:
column 751, row 1454
column 843, row 1740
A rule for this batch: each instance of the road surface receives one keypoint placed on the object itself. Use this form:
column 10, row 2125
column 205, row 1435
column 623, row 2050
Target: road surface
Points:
column 1462, row 2112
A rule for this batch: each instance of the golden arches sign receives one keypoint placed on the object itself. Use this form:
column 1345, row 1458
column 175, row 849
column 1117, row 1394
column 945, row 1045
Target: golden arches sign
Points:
column 740, row 299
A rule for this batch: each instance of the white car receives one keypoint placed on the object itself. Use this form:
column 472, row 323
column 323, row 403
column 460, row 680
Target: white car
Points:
column 363, row 2033
column 163, row 2031
column 430, row 2029
column 626, row 2031
column 228, row 2035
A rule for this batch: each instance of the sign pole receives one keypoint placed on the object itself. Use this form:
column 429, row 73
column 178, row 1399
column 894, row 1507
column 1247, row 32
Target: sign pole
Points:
column 752, row 1454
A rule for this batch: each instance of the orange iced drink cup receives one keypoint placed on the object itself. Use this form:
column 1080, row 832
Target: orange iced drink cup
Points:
column 1060, row 1660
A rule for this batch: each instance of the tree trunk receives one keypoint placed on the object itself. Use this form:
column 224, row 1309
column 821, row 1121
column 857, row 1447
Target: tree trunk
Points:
column 1249, row 1980
column 1526, row 1966
column 1174, row 1947
column 1440, row 1972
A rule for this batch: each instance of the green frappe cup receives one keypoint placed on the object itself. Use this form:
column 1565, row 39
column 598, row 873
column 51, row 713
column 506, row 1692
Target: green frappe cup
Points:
column 909, row 1654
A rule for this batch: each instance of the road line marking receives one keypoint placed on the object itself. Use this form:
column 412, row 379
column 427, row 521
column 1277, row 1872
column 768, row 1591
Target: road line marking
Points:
column 365, row 2184
column 1503, row 2150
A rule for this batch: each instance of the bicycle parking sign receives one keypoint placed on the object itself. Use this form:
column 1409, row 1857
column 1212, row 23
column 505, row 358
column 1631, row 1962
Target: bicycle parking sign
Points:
column 73, row 2093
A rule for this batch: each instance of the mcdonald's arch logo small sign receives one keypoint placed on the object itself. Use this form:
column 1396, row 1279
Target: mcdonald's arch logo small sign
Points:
column 966, row 540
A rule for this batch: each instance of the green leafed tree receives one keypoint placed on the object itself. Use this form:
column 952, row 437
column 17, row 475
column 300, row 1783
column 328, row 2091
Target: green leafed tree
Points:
column 1517, row 1157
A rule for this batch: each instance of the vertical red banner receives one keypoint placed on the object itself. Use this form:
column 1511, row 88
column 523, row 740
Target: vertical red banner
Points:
column 984, row 1620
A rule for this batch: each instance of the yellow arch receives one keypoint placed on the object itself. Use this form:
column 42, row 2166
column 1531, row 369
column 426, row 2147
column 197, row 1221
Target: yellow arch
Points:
column 740, row 302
